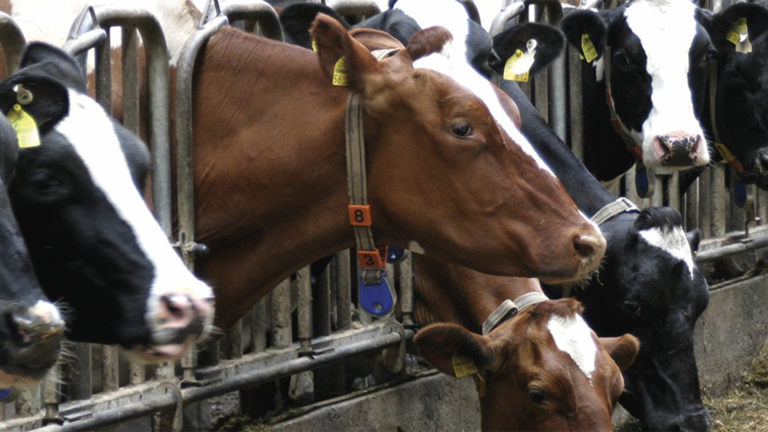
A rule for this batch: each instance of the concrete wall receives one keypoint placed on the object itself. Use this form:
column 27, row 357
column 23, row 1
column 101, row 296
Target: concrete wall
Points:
column 728, row 336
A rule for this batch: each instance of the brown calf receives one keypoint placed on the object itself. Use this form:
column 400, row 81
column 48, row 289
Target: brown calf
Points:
column 544, row 370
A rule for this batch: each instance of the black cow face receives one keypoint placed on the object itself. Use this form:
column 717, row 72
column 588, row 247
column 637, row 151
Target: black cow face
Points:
column 93, row 242
column 650, row 287
column 741, row 105
column 31, row 328
column 656, row 49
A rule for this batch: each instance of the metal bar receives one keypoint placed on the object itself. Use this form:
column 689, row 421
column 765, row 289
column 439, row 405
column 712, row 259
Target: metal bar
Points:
column 281, row 315
column 234, row 341
column 507, row 13
column 149, row 404
column 104, row 75
column 109, row 368
column 366, row 8
column 705, row 203
column 259, row 11
column 576, row 116
column 724, row 251
column 259, row 320
column 184, row 161
column 321, row 303
column 13, row 42
column 130, row 60
column 718, row 200
column 657, row 200
column 79, row 372
column 673, row 190
column 344, row 288
column 51, row 389
column 304, row 322
column 405, row 274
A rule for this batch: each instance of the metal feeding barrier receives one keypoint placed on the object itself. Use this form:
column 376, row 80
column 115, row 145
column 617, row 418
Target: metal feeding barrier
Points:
column 97, row 388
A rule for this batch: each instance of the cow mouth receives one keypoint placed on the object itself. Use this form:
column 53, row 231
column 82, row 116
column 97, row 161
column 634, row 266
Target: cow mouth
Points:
column 160, row 353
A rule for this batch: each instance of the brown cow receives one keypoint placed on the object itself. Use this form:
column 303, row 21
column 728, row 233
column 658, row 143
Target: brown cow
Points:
column 443, row 175
column 544, row 369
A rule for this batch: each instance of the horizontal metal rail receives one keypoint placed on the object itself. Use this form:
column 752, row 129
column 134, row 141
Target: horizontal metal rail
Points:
column 142, row 400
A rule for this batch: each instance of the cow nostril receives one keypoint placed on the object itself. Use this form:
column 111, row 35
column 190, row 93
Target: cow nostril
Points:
column 585, row 246
column 177, row 305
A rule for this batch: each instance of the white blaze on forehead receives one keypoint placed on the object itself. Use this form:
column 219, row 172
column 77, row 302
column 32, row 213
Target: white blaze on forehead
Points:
column 91, row 132
column 672, row 241
column 453, row 62
column 573, row 337
column 666, row 29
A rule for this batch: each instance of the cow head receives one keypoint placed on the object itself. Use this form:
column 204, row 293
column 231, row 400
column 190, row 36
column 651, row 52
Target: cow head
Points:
column 740, row 107
column 649, row 287
column 658, row 54
column 470, row 134
column 547, row 40
column 31, row 328
column 94, row 244
column 545, row 369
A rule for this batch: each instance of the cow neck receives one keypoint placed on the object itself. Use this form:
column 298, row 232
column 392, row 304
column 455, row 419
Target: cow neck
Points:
column 509, row 309
column 633, row 147
column 588, row 193
column 724, row 151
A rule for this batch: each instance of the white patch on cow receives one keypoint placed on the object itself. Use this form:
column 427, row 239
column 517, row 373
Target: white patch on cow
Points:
column 599, row 66
column 48, row 311
column 674, row 242
column 453, row 62
column 666, row 29
column 91, row 132
column 573, row 337
column 177, row 18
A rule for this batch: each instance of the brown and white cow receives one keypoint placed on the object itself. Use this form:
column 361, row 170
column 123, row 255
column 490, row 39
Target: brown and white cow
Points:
column 444, row 174
column 544, row 369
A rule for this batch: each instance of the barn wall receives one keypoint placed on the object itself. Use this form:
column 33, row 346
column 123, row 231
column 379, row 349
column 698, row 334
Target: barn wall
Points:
column 731, row 332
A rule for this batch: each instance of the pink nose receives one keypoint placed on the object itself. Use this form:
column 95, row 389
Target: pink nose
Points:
column 677, row 148
column 180, row 317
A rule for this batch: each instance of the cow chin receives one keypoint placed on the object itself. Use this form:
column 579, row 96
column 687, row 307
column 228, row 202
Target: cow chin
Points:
column 147, row 354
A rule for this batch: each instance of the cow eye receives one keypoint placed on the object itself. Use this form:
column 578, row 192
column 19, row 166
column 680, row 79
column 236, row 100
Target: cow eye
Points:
column 621, row 58
column 537, row 395
column 47, row 184
column 633, row 307
column 463, row 130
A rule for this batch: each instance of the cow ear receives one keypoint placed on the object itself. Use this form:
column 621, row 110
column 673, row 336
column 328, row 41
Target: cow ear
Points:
column 694, row 238
column 585, row 22
column 334, row 42
column 375, row 39
column 549, row 43
column 428, row 41
column 37, row 93
column 440, row 343
column 296, row 20
column 623, row 350
column 55, row 63
column 723, row 22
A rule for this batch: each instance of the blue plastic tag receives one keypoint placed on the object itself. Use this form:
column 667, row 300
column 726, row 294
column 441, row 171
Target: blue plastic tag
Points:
column 4, row 393
column 395, row 254
column 739, row 193
column 379, row 299
column 643, row 181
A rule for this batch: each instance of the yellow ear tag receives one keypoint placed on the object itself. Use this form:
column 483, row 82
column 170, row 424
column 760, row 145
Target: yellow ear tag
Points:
column 314, row 45
column 340, row 73
column 590, row 53
column 738, row 31
column 519, row 65
column 463, row 366
column 25, row 126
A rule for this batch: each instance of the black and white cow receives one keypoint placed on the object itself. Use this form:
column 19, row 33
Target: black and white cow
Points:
column 658, row 61
column 647, row 285
column 741, row 100
column 31, row 328
column 94, row 243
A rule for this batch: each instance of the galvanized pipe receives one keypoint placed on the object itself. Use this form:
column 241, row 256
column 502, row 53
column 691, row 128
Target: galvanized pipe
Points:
column 406, row 289
column 507, row 13
column 365, row 8
column 724, row 251
column 281, row 326
column 344, row 290
column 152, row 404
column 109, row 368
column 13, row 43
column 259, row 11
column 576, row 120
column 79, row 372
column 130, row 60
column 304, row 321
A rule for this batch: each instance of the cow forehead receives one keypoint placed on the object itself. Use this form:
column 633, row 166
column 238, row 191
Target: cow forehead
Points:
column 666, row 29
column 572, row 336
column 672, row 241
column 452, row 62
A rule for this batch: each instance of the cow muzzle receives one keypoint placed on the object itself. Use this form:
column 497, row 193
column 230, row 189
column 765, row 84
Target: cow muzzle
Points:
column 35, row 334
column 678, row 149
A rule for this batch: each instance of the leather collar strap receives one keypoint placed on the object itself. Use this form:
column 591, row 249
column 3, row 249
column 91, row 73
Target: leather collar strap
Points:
column 621, row 205
column 632, row 146
column 719, row 145
column 372, row 260
column 509, row 309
